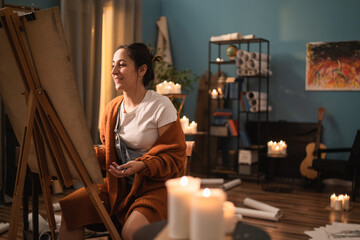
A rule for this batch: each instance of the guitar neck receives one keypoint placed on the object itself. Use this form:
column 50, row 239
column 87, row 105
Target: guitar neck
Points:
column 318, row 133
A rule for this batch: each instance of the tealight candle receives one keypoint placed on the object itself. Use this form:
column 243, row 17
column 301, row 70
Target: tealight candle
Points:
column 214, row 94
column 346, row 202
column 229, row 217
column 179, row 192
column 207, row 215
column 332, row 200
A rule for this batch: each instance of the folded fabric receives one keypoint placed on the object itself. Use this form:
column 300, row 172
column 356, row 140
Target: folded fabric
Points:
column 242, row 54
column 258, row 56
column 255, row 95
column 256, row 64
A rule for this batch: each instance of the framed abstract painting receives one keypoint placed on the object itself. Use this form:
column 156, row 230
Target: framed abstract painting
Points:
column 333, row 66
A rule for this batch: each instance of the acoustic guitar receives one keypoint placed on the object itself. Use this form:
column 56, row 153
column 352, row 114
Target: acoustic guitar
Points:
column 312, row 149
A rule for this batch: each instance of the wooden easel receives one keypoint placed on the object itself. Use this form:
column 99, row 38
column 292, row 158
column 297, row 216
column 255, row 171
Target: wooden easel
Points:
column 44, row 127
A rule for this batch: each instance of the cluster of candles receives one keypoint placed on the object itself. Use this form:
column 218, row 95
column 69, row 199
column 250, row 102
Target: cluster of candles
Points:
column 340, row 202
column 186, row 127
column 274, row 147
column 195, row 213
column 216, row 93
column 168, row 88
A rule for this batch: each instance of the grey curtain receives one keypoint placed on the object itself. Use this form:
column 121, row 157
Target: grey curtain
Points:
column 94, row 28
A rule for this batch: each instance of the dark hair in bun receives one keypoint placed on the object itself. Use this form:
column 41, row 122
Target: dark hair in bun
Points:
column 140, row 54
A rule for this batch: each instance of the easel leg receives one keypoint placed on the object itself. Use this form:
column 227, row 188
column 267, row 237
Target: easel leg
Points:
column 45, row 179
column 22, row 167
column 35, row 205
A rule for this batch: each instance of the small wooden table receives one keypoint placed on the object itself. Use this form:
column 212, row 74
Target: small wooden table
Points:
column 275, row 186
column 242, row 231
column 173, row 96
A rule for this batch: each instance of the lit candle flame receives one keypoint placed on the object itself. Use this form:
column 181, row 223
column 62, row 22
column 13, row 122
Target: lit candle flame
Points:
column 206, row 192
column 184, row 181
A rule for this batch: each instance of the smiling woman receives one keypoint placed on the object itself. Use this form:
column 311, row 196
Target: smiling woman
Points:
column 143, row 146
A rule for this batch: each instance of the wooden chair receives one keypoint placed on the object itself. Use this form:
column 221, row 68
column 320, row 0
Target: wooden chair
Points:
column 189, row 150
column 341, row 169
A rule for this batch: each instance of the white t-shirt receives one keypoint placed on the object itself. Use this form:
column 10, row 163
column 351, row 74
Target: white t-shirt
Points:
column 139, row 128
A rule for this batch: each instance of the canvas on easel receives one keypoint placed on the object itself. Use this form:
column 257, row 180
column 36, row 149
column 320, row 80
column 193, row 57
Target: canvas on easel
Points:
column 41, row 98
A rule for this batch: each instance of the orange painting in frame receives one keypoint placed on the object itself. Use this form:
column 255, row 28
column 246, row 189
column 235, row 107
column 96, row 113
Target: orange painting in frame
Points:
column 333, row 66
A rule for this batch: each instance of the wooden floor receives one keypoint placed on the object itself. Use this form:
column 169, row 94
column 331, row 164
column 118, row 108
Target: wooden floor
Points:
column 304, row 208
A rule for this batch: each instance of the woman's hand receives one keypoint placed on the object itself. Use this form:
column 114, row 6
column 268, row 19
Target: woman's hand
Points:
column 126, row 169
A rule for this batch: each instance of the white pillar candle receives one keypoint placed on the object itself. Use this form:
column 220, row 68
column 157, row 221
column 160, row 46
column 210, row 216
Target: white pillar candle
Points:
column 170, row 83
column 332, row 200
column 230, row 219
column 338, row 203
column 179, row 192
column 270, row 146
column 277, row 149
column 193, row 127
column 188, row 129
column 285, row 149
column 214, row 94
column 167, row 89
column 159, row 88
column 346, row 202
column 207, row 215
column 177, row 88
column 184, row 121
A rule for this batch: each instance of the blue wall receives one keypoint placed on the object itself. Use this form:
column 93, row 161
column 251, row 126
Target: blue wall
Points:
column 289, row 25
column 151, row 12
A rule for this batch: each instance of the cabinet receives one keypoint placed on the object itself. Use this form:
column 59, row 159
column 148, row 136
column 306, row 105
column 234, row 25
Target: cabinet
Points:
column 224, row 147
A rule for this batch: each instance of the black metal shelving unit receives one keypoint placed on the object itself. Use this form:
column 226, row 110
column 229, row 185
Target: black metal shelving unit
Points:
column 262, row 46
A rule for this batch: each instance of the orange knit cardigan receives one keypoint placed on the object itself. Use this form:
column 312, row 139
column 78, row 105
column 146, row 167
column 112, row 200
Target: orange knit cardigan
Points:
column 166, row 159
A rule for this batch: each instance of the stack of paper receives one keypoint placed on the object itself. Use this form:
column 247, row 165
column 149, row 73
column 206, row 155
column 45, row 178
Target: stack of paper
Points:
column 343, row 231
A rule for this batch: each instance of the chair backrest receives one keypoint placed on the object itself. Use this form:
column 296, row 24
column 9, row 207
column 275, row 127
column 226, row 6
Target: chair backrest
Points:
column 189, row 147
column 355, row 150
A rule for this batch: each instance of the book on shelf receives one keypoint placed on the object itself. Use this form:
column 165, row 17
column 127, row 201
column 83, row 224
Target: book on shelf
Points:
column 248, row 156
column 246, row 102
column 219, row 131
column 244, row 139
column 246, row 169
column 233, row 127
column 223, row 112
column 232, row 88
column 219, row 120
column 242, row 102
